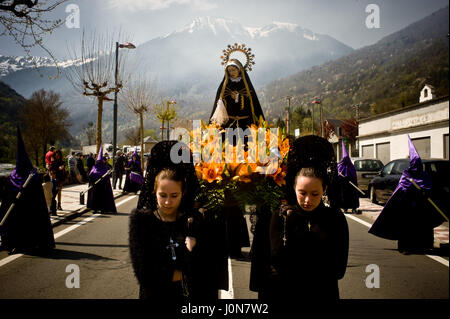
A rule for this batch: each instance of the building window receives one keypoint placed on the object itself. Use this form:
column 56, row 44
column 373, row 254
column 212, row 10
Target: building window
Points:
column 425, row 93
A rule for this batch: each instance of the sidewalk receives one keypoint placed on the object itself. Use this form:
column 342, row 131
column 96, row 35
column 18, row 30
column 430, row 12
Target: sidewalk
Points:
column 371, row 212
column 70, row 202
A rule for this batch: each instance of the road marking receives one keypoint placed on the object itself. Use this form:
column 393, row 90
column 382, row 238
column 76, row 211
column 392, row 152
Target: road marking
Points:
column 88, row 219
column 368, row 225
column 69, row 229
column 8, row 259
column 230, row 293
column 362, row 222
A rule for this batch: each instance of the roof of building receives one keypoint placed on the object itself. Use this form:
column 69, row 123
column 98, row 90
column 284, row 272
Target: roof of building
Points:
column 150, row 139
column 406, row 108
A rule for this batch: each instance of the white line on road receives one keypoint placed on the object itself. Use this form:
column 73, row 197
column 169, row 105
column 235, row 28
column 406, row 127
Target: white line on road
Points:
column 88, row 219
column 230, row 293
column 8, row 259
column 362, row 222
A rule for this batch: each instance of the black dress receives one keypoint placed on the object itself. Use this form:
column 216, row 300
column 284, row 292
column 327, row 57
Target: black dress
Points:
column 152, row 257
column 314, row 257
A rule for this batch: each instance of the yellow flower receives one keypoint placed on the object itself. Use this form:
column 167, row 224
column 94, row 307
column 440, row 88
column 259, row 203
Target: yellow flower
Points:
column 212, row 172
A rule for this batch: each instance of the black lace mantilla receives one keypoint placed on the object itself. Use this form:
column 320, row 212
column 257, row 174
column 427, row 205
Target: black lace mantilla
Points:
column 313, row 151
column 160, row 159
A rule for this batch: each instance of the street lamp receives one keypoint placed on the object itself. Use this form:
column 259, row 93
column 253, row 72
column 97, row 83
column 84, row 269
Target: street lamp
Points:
column 318, row 101
column 126, row 45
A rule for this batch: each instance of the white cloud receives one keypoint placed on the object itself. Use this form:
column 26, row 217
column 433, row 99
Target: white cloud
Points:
column 154, row 5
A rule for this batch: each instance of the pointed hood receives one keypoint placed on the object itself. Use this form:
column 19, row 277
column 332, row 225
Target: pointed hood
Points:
column 100, row 154
column 23, row 164
column 415, row 163
column 344, row 150
column 138, row 159
column 99, row 168
column 386, row 225
column 346, row 167
column 135, row 153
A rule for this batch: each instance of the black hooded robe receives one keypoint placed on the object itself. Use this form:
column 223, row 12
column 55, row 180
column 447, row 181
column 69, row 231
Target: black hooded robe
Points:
column 101, row 197
column 28, row 227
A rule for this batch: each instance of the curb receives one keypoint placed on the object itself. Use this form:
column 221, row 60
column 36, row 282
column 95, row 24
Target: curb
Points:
column 76, row 213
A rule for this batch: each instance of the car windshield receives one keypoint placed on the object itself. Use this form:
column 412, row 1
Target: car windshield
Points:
column 368, row 165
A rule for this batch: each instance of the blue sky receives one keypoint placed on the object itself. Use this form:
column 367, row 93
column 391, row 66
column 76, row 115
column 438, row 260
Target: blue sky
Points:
column 144, row 20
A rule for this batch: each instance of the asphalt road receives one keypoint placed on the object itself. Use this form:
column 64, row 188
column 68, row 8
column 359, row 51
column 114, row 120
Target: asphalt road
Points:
column 99, row 249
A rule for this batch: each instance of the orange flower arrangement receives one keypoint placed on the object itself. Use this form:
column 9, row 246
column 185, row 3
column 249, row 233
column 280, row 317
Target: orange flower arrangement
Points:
column 253, row 175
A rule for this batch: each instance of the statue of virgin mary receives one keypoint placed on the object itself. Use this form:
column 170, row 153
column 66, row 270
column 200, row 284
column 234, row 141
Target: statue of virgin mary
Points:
column 236, row 103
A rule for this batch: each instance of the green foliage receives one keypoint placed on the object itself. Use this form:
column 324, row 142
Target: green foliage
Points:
column 380, row 78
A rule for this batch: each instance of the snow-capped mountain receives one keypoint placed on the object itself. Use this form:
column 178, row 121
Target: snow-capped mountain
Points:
column 187, row 63
column 280, row 49
column 10, row 64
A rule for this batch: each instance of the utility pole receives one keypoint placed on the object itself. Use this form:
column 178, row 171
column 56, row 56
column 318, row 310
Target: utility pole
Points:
column 288, row 115
column 318, row 101
column 356, row 107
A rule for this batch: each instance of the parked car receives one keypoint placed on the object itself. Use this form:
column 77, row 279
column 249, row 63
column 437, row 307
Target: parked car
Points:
column 366, row 169
column 382, row 186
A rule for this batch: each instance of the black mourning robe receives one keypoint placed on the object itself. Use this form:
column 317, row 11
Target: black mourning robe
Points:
column 212, row 269
column 151, row 258
column 101, row 197
column 313, row 261
column 260, row 253
column 236, row 109
column 28, row 228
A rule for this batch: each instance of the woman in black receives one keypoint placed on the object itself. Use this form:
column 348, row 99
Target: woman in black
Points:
column 309, row 240
column 163, row 230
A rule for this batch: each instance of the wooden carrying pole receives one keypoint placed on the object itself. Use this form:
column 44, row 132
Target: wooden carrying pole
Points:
column 96, row 182
column 429, row 199
column 353, row 185
column 19, row 194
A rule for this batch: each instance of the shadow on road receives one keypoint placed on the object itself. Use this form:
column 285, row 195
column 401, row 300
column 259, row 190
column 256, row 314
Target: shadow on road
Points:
column 92, row 245
column 73, row 255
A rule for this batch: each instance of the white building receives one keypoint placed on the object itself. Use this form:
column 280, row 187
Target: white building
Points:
column 384, row 136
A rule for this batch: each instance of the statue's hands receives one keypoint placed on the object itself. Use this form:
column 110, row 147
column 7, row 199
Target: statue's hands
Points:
column 235, row 95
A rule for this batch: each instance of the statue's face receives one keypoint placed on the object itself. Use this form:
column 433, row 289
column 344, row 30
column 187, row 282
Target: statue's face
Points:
column 233, row 71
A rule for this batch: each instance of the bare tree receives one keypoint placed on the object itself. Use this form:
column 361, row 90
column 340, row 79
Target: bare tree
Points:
column 89, row 130
column 94, row 76
column 24, row 21
column 132, row 136
column 138, row 96
column 44, row 120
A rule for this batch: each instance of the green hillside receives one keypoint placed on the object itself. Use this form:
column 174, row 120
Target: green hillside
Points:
column 10, row 104
column 381, row 77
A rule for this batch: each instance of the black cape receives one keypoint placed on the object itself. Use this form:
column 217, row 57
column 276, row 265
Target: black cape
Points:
column 28, row 227
column 313, row 261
